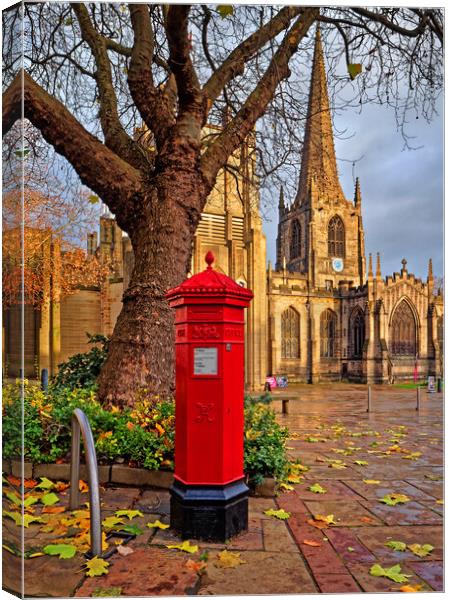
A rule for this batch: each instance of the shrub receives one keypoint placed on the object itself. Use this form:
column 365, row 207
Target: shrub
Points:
column 264, row 444
column 82, row 370
column 144, row 436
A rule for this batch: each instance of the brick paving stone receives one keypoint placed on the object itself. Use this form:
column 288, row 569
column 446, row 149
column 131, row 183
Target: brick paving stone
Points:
column 154, row 501
column 335, row 490
column 46, row 576
column 291, row 502
column 348, row 546
column 431, row 488
column 318, row 473
column 410, row 513
column 277, row 537
column 257, row 506
column 119, row 498
column 331, row 583
column 346, row 514
column 148, row 571
column 369, row 491
column 431, row 572
column 375, row 538
column 249, row 540
column 262, row 573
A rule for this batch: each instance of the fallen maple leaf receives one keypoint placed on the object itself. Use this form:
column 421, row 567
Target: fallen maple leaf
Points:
column 311, row 543
column 129, row 513
column 361, row 463
column 53, row 510
column 110, row 522
column 278, row 514
column 29, row 484
column 317, row 489
column 398, row 546
column 393, row 499
column 371, row 481
column 61, row 550
column 14, row 480
column 157, row 524
column 286, row 486
column 229, row 560
column 294, row 478
column 185, row 547
column 96, row 566
column 83, row 486
column 421, row 551
column 328, row 519
column 394, row 573
column 60, row 486
column 17, row 518
column 45, row 484
column 366, row 519
column 196, row 566
column 49, row 499
column 124, row 550
column 411, row 588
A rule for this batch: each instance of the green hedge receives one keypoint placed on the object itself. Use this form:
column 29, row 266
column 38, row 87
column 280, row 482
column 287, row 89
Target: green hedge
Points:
column 143, row 436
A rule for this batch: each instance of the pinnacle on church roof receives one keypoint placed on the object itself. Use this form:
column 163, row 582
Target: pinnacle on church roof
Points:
column 370, row 270
column 318, row 156
column 357, row 198
column 378, row 271
column 430, row 269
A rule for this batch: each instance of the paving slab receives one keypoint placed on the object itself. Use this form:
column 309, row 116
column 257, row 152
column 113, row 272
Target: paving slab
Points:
column 369, row 583
column 431, row 572
column 410, row 513
column 263, row 572
column 346, row 514
column 148, row 571
column 375, row 539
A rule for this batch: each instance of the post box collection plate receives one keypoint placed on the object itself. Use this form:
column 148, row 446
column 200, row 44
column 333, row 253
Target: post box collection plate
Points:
column 205, row 361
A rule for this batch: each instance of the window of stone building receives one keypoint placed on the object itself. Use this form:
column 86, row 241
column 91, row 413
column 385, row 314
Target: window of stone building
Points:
column 295, row 249
column 403, row 336
column 356, row 333
column 336, row 237
column 328, row 334
column 290, row 334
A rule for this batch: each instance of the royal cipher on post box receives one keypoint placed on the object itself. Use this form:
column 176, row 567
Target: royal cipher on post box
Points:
column 209, row 498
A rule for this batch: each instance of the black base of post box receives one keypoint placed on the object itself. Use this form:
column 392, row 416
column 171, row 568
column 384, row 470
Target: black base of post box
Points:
column 213, row 513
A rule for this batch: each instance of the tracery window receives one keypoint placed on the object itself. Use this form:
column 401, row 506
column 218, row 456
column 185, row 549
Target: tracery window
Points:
column 328, row 334
column 295, row 249
column 356, row 333
column 290, row 334
column 403, row 331
column 336, row 237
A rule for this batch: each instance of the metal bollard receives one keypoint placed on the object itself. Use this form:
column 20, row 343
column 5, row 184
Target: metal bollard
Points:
column 80, row 422
column 44, row 380
column 285, row 406
column 369, row 399
column 417, row 398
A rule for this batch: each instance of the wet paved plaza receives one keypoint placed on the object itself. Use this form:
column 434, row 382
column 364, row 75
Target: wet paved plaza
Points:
column 356, row 458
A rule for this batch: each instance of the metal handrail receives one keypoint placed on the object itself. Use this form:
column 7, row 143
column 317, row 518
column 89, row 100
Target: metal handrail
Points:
column 80, row 422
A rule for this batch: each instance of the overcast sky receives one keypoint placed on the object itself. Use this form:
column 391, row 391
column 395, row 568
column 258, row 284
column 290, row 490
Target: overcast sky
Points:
column 402, row 190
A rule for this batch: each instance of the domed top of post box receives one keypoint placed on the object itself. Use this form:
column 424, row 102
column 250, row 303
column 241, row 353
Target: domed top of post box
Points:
column 208, row 285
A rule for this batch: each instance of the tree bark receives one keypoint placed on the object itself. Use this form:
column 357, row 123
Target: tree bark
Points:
column 141, row 351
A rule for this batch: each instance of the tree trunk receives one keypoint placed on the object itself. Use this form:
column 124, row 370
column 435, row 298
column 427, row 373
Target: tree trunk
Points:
column 141, row 351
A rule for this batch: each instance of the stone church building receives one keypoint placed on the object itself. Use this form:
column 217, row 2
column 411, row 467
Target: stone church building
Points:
column 321, row 314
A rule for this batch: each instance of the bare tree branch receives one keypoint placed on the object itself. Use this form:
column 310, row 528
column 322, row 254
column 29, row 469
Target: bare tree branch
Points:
column 235, row 62
column 98, row 167
column 240, row 126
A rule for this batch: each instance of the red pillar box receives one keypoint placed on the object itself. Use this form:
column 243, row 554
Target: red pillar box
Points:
column 209, row 497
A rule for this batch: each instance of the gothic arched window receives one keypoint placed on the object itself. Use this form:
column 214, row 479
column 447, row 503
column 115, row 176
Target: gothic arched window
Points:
column 403, row 331
column 290, row 334
column 295, row 240
column 336, row 237
column 328, row 334
column 356, row 333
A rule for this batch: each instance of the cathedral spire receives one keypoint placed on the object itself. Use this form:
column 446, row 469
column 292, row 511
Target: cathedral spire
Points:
column 318, row 156
column 370, row 273
column 281, row 201
column 378, row 272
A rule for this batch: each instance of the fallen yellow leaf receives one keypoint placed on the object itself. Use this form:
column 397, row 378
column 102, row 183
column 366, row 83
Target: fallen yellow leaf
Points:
column 229, row 560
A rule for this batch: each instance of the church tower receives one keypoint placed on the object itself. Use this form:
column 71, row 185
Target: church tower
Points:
column 321, row 235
